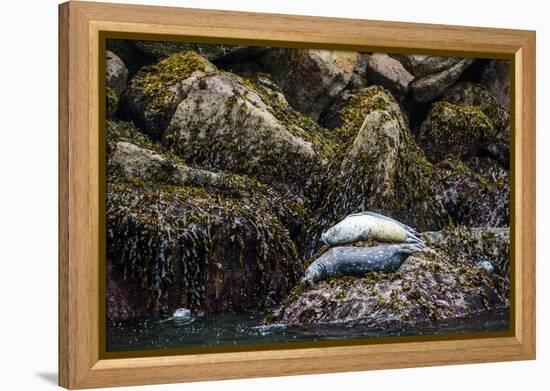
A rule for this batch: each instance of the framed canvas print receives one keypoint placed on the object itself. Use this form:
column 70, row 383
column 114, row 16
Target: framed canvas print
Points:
column 247, row 195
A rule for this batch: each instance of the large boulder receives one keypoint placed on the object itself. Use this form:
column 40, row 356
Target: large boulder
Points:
column 227, row 123
column 183, row 237
column 432, row 86
column 443, row 282
column 470, row 94
column 311, row 79
column 382, row 168
column 455, row 131
column 495, row 76
column 389, row 73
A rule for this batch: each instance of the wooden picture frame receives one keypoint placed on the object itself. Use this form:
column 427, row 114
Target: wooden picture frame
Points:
column 81, row 25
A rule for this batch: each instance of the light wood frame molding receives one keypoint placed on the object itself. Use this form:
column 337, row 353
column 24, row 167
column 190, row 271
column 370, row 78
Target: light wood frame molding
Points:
column 80, row 24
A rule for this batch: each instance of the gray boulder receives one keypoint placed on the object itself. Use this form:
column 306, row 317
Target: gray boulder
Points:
column 389, row 73
column 310, row 79
column 116, row 75
column 421, row 65
column 227, row 123
column 432, row 86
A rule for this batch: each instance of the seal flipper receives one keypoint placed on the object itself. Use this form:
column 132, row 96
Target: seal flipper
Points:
column 407, row 228
column 408, row 249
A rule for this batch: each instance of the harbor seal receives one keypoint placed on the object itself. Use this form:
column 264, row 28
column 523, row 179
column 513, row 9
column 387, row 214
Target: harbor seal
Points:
column 356, row 261
column 365, row 225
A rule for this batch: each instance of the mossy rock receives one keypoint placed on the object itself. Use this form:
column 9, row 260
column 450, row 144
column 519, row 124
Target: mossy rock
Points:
column 155, row 91
column 382, row 168
column 225, row 122
column 441, row 283
column 471, row 94
column 455, row 131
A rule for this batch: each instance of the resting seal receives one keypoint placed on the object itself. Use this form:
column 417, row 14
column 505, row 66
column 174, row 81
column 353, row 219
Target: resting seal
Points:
column 365, row 225
column 356, row 261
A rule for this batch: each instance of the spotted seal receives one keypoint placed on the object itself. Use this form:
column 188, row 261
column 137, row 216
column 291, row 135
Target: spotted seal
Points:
column 356, row 261
column 365, row 225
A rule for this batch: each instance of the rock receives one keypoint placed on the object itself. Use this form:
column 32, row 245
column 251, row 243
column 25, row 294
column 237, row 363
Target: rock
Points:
column 475, row 193
column 469, row 94
column 421, row 65
column 454, row 130
column 116, row 72
column 130, row 56
column 496, row 78
column 387, row 72
column 310, row 79
column 359, row 76
column 116, row 75
column 382, row 170
column 158, row 50
column 183, row 237
column 154, row 93
column 432, row 86
column 227, row 123
column 435, row 285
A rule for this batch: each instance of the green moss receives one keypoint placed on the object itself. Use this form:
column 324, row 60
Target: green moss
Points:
column 112, row 101
column 455, row 130
column 153, row 87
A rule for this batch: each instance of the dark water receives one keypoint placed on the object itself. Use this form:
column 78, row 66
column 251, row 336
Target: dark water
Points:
column 248, row 328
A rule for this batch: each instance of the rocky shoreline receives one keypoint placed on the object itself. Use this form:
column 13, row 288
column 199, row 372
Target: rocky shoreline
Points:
column 225, row 164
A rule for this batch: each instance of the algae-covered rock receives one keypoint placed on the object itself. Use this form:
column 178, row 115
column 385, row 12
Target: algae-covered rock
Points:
column 183, row 237
column 475, row 193
column 430, row 87
column 440, row 283
column 382, row 168
column 389, row 73
column 154, row 92
column 496, row 78
column 470, row 94
column 311, row 79
column 455, row 130
column 227, row 123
